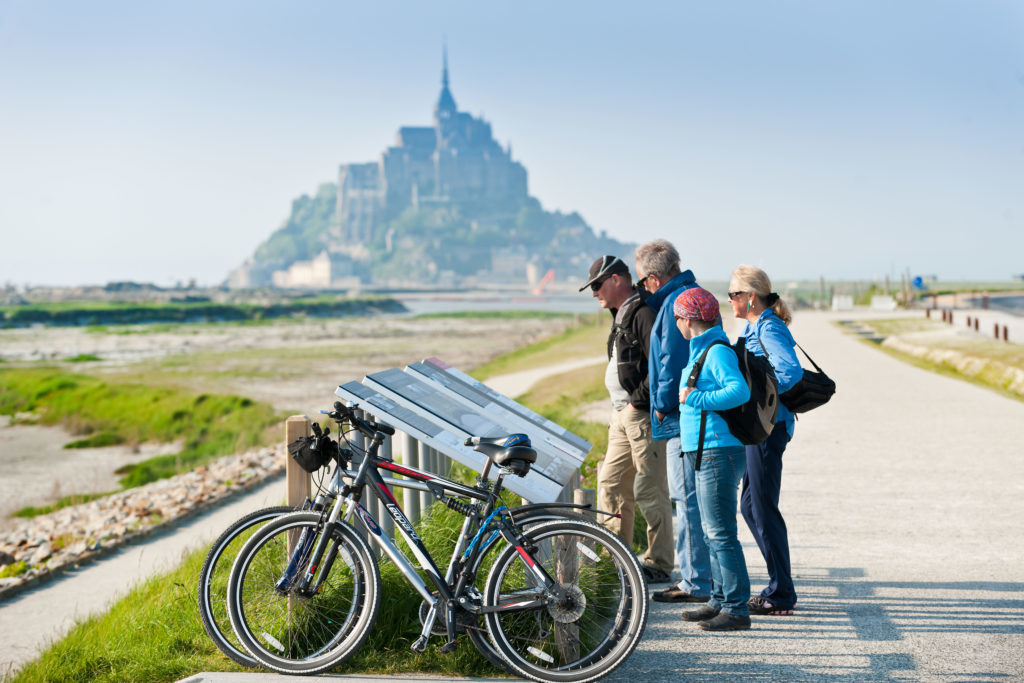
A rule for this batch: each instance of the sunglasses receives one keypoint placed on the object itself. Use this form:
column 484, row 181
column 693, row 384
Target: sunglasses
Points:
column 735, row 295
column 594, row 286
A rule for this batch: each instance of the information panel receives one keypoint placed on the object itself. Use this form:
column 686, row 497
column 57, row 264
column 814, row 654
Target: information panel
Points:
column 443, row 437
column 554, row 428
column 462, row 418
column 513, row 421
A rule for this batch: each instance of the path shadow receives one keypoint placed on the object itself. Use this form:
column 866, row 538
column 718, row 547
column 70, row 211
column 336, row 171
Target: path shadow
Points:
column 847, row 627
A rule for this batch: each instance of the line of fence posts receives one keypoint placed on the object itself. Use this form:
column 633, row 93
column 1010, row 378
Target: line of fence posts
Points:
column 415, row 454
column 974, row 323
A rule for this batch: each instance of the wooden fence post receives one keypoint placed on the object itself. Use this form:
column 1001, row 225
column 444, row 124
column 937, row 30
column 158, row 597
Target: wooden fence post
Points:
column 297, row 479
column 585, row 497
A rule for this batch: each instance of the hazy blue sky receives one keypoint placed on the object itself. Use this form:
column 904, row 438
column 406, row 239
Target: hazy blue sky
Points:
column 852, row 139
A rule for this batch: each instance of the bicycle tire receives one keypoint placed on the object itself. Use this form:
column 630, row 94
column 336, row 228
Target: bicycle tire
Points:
column 212, row 585
column 590, row 632
column 478, row 636
column 299, row 635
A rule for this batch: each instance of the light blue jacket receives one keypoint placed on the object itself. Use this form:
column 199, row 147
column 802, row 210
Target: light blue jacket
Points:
column 669, row 353
column 771, row 334
column 720, row 386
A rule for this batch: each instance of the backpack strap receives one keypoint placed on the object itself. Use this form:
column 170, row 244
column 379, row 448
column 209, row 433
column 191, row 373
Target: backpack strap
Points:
column 692, row 382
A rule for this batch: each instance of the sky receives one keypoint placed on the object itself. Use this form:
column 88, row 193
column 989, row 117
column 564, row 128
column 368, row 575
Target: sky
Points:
column 849, row 139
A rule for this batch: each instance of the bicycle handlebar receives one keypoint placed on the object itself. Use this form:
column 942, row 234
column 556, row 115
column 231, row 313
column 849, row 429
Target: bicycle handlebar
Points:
column 367, row 427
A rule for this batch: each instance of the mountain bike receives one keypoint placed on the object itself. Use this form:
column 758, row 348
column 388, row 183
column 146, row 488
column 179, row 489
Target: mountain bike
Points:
column 564, row 599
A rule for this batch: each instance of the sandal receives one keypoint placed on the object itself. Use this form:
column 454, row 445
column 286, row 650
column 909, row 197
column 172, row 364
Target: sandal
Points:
column 760, row 606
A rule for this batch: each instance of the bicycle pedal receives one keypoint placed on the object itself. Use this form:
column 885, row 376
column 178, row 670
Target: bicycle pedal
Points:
column 419, row 646
column 449, row 647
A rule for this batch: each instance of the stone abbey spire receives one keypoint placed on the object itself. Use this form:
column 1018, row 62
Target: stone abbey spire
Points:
column 445, row 107
column 455, row 160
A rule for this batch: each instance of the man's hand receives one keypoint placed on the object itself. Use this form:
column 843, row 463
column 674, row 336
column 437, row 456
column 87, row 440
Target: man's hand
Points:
column 661, row 418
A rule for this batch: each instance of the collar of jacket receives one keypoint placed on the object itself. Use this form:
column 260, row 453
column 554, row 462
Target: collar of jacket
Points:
column 703, row 340
column 657, row 298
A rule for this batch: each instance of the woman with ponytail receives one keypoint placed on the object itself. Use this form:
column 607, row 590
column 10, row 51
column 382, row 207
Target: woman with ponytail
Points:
column 767, row 334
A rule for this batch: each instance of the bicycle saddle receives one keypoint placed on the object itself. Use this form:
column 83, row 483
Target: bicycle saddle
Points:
column 513, row 452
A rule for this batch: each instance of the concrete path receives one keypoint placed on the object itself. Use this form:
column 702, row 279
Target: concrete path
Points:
column 515, row 384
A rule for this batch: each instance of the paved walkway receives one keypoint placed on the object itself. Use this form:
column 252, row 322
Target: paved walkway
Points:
column 904, row 499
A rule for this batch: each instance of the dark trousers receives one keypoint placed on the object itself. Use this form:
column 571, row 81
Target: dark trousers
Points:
column 759, row 503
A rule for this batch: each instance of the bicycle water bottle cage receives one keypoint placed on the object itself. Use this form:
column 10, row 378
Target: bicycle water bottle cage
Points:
column 513, row 452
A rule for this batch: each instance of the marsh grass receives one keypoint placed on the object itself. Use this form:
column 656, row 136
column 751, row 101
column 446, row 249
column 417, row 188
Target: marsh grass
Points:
column 586, row 339
column 107, row 412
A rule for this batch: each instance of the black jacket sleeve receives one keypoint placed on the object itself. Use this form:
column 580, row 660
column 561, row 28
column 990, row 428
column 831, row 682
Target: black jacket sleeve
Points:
column 643, row 323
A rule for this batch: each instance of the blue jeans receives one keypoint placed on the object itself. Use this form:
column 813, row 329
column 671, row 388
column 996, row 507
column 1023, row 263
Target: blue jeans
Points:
column 691, row 550
column 718, row 481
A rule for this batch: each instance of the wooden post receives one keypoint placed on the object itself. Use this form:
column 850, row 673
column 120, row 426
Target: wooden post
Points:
column 584, row 497
column 1006, row 335
column 410, row 497
column 297, row 479
column 298, row 485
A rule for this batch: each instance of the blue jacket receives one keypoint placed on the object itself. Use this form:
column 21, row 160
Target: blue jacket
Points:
column 771, row 334
column 669, row 353
column 720, row 386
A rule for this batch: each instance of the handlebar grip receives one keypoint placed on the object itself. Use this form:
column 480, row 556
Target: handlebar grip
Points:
column 473, row 441
column 382, row 428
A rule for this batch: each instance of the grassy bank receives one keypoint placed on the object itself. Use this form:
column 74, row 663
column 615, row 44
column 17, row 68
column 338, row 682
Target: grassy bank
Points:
column 155, row 634
column 104, row 413
column 90, row 313
column 934, row 346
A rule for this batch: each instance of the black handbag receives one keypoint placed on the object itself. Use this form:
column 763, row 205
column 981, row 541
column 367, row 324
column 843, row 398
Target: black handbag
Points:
column 814, row 389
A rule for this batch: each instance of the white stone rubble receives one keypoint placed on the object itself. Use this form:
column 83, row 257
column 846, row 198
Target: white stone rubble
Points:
column 68, row 536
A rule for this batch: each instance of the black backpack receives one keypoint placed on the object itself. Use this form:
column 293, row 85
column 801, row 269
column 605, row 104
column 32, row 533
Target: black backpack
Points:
column 753, row 421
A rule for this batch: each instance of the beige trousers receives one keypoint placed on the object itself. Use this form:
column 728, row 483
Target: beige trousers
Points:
column 633, row 475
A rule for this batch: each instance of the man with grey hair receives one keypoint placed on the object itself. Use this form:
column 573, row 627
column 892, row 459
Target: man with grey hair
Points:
column 657, row 266
column 633, row 473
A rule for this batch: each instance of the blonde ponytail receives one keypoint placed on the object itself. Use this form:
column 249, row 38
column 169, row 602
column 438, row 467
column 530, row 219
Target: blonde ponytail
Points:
column 753, row 279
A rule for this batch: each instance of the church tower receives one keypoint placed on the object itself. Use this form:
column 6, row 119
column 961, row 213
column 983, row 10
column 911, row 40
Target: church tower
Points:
column 444, row 110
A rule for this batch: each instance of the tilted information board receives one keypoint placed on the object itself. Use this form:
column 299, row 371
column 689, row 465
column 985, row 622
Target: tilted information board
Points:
column 463, row 419
column 554, row 428
column 543, row 439
column 436, row 432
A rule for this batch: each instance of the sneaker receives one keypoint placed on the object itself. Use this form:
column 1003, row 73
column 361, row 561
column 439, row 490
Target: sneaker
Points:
column 726, row 622
column 760, row 607
column 676, row 594
column 655, row 575
column 700, row 614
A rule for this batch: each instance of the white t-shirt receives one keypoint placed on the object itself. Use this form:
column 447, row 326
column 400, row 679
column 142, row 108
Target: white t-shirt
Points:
column 619, row 396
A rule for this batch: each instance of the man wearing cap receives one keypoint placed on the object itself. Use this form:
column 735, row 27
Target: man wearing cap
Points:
column 657, row 265
column 633, row 472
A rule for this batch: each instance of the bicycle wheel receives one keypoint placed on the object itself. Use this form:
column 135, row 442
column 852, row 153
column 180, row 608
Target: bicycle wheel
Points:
column 478, row 633
column 591, row 628
column 295, row 634
column 213, row 581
